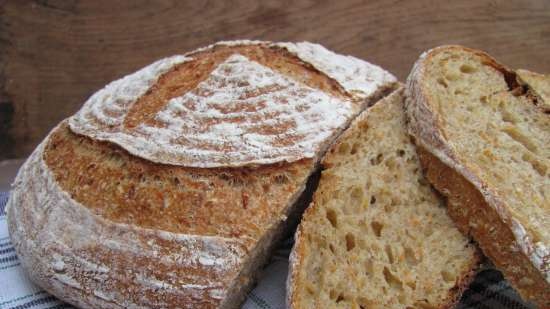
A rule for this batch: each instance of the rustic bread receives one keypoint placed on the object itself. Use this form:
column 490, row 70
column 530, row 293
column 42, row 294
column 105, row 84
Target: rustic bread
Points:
column 376, row 235
column 171, row 185
column 484, row 138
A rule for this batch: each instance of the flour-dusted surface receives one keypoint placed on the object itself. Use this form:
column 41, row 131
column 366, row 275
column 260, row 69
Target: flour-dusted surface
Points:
column 242, row 114
column 356, row 76
column 107, row 108
column 85, row 259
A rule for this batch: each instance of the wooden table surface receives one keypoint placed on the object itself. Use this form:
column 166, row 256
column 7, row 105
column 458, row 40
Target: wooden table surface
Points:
column 55, row 54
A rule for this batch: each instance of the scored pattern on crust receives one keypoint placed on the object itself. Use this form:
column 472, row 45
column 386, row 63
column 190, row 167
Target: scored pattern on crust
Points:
column 354, row 75
column 104, row 112
column 242, row 114
column 69, row 249
column 245, row 113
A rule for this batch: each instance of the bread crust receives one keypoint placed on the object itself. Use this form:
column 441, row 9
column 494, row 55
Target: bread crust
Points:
column 483, row 223
column 474, row 205
column 72, row 225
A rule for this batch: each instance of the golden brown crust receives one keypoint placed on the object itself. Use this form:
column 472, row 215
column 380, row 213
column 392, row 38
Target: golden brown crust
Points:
column 94, row 263
column 226, row 202
column 475, row 218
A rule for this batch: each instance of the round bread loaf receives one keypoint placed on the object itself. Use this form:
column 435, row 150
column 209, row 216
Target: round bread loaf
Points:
column 171, row 185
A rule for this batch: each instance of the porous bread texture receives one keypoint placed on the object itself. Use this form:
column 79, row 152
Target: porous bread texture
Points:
column 101, row 225
column 376, row 235
column 488, row 125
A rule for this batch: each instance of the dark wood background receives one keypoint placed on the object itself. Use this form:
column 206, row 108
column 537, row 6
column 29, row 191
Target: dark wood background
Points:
column 55, row 54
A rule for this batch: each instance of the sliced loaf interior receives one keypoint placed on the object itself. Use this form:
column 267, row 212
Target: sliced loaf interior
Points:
column 490, row 125
column 376, row 235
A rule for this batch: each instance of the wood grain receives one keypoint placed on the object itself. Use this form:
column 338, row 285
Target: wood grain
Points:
column 55, row 54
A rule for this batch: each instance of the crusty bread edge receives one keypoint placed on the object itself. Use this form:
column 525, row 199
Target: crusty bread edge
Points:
column 424, row 126
column 472, row 221
column 297, row 253
column 42, row 268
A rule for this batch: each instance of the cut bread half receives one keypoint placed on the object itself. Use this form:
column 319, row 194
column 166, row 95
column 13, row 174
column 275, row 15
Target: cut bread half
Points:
column 483, row 135
column 376, row 235
column 171, row 186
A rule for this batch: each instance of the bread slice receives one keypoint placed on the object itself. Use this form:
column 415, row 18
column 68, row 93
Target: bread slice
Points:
column 376, row 235
column 170, row 186
column 484, row 138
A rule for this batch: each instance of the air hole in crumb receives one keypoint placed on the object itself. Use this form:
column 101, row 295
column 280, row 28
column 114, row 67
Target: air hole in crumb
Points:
column 377, row 228
column 400, row 153
column 350, row 241
column 372, row 200
column 357, row 195
column 389, row 253
column 377, row 159
column 536, row 164
column 369, row 267
column 331, row 248
column 339, row 298
column 343, row 148
column 392, row 280
column 483, row 99
column 442, row 82
column 447, row 276
column 467, row 69
column 521, row 138
column 332, row 218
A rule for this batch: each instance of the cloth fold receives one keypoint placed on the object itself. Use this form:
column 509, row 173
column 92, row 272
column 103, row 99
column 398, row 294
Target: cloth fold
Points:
column 488, row 291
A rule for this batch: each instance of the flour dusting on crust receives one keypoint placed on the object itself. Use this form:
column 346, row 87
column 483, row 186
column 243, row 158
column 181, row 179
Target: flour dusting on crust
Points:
column 245, row 113
column 242, row 114
column 356, row 76
column 107, row 108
